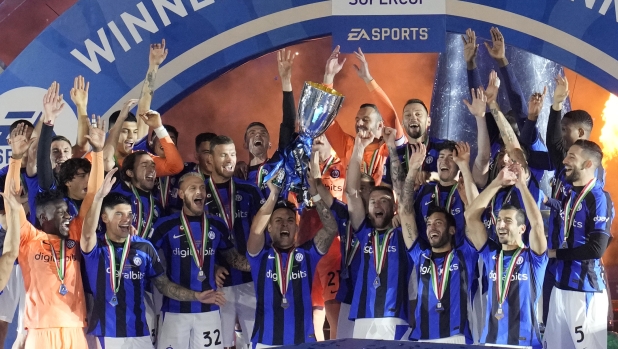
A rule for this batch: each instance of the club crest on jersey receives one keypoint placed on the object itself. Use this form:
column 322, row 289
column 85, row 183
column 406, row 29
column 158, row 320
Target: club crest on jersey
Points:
column 211, row 235
column 299, row 257
column 579, row 207
column 209, row 195
column 137, row 261
column 70, row 243
column 429, row 159
column 335, row 173
column 239, row 198
column 520, row 260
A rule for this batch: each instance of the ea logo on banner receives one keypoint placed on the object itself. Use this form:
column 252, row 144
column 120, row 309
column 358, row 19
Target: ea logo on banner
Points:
column 27, row 103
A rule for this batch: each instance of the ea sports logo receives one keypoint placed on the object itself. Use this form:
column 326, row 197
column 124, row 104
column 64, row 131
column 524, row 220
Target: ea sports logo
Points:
column 27, row 103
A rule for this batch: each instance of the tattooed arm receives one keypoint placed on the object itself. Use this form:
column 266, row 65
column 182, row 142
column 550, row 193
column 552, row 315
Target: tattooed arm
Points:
column 158, row 53
column 398, row 174
column 235, row 260
column 513, row 148
column 326, row 235
column 179, row 293
column 407, row 213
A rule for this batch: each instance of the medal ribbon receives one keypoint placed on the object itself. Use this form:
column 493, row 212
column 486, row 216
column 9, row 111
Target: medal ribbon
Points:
column 260, row 177
column 61, row 266
column 140, row 213
column 449, row 198
column 198, row 258
column 374, row 157
column 229, row 218
column 571, row 210
column 282, row 280
column 380, row 251
column 329, row 162
column 439, row 284
column 114, row 280
column 164, row 184
column 502, row 285
column 350, row 246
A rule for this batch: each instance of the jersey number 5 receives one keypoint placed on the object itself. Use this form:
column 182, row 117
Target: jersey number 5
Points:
column 578, row 330
column 209, row 339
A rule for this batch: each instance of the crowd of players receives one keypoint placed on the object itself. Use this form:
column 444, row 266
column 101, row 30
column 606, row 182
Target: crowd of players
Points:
column 119, row 244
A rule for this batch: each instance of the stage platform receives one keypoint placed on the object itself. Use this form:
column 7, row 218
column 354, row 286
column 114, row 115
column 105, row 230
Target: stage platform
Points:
column 380, row 344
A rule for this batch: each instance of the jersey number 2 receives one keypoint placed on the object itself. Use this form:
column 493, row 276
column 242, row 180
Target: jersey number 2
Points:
column 578, row 330
column 207, row 337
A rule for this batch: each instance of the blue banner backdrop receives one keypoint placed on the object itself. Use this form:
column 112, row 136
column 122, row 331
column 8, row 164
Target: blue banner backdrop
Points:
column 107, row 42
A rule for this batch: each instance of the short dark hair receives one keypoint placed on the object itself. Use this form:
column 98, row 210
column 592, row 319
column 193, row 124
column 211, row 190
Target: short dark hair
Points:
column 520, row 216
column 285, row 204
column 450, row 220
column 61, row 138
column 20, row 121
column 383, row 188
column 416, row 101
column 219, row 140
column 112, row 118
column 129, row 164
column 203, row 137
column 68, row 171
column 112, row 199
column 579, row 117
column 592, row 150
column 255, row 123
column 170, row 129
column 371, row 105
column 47, row 197
column 448, row 145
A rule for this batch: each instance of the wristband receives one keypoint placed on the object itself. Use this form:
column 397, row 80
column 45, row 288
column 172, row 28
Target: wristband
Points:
column 161, row 132
column 316, row 198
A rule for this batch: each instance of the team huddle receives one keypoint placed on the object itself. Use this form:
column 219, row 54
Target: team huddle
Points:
column 115, row 242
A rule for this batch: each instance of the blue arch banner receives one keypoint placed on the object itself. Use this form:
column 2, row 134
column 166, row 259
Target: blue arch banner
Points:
column 108, row 41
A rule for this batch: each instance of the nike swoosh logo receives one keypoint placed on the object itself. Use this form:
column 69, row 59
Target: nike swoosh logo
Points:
column 428, row 202
column 206, row 204
column 177, row 236
column 271, row 257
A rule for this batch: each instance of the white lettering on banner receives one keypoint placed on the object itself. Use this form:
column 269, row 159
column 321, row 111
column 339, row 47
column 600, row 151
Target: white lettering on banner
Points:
column 388, row 7
column 393, row 34
column 131, row 22
column 604, row 7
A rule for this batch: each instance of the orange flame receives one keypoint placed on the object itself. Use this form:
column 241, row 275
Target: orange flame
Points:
column 609, row 132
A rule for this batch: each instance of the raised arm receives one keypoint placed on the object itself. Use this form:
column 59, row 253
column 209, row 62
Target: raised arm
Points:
column 109, row 149
column 19, row 146
column 96, row 139
column 462, row 159
column 336, row 136
column 480, row 170
column 157, row 55
column 538, row 241
column 172, row 163
column 325, row 236
column 315, row 181
column 379, row 97
column 10, row 249
column 398, row 173
column 356, row 207
column 79, row 96
column 553, row 137
column 52, row 106
column 285, row 60
column 407, row 212
column 475, row 229
column 529, row 133
column 256, row 240
column 179, row 293
column 31, row 164
column 88, row 240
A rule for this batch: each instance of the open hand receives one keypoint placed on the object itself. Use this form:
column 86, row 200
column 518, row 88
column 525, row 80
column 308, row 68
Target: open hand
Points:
column 52, row 103
column 107, row 185
column 417, row 157
column 19, row 141
column 333, row 66
column 96, row 133
column 497, row 50
column 535, row 105
column 470, row 48
column 362, row 69
column 79, row 92
column 562, row 90
column 479, row 103
column 285, row 60
column 492, row 87
column 462, row 154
